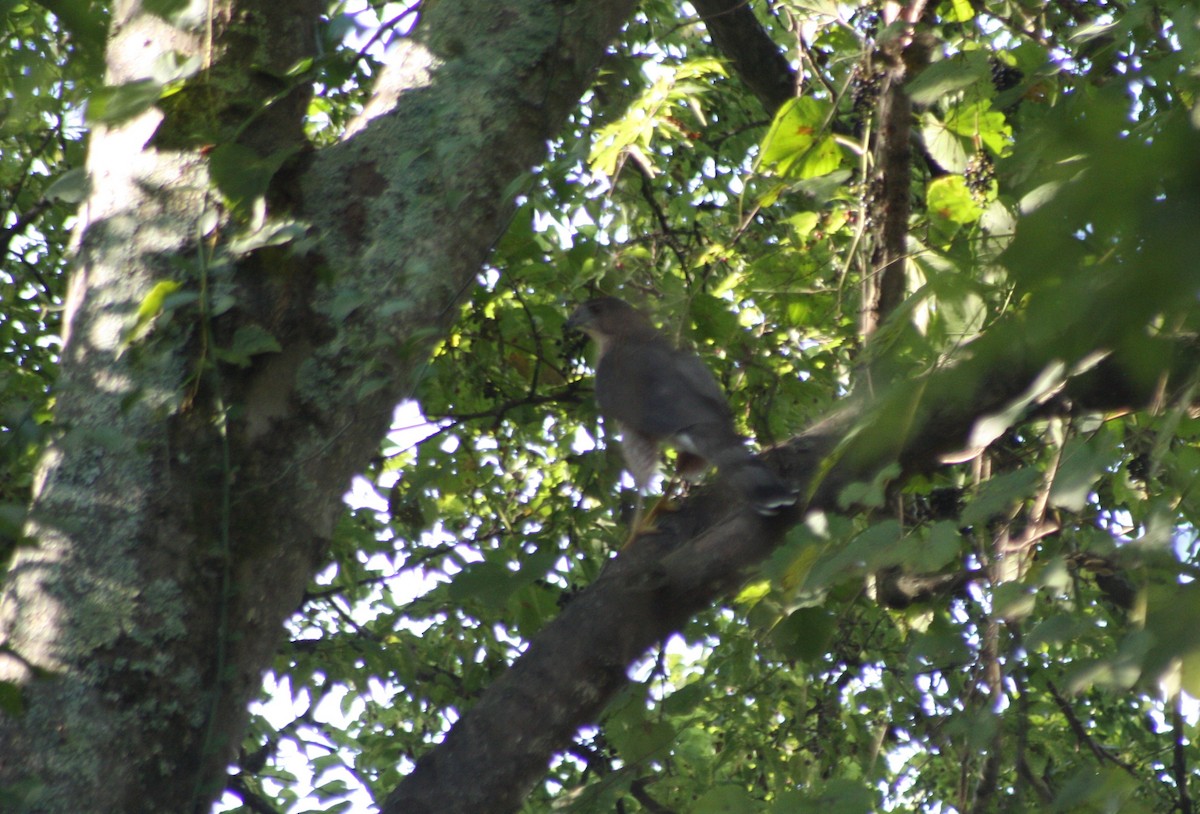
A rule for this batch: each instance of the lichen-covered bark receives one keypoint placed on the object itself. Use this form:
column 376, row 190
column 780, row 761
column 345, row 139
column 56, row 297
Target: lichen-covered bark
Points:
column 182, row 510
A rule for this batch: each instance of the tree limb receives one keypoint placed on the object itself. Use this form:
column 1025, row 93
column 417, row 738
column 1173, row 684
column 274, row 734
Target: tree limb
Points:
column 758, row 61
column 501, row 746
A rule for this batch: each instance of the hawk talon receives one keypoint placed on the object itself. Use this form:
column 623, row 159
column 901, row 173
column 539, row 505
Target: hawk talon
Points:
column 644, row 522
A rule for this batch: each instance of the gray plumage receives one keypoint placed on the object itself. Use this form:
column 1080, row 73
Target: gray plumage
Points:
column 658, row 394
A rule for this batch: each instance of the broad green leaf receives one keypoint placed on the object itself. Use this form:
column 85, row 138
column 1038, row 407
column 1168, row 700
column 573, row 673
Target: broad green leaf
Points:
column 248, row 341
column 945, row 145
column 980, row 123
column 685, row 700
column 82, row 20
column 949, row 198
column 72, row 187
column 114, row 104
column 1012, row 601
column 1084, row 460
column 797, row 129
column 241, row 174
column 1171, row 613
column 823, row 158
column 1054, row 630
column 803, row 223
column 271, row 234
column 997, row 496
column 150, row 308
column 726, row 800
column 805, row 633
column 938, row 546
column 963, row 11
column 868, row 494
column 637, row 737
column 489, row 583
column 11, row 701
column 834, row 796
column 1101, row 790
column 949, row 75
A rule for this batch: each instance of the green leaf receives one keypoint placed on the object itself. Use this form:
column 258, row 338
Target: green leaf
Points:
column 945, row 145
column 869, row 494
column 837, row 796
column 1012, row 601
column 997, row 496
column 726, row 800
column 948, row 76
column 684, row 700
column 73, row 186
column 113, row 104
column 796, row 129
column 1054, row 630
column 487, row 582
column 271, row 234
column 345, row 302
column 948, row 197
column 1171, row 613
column 82, row 20
column 241, row 174
column 248, row 342
column 805, row 634
column 11, row 699
column 963, row 11
column 823, row 158
column 940, row 545
column 635, row 736
column 169, row 10
column 980, row 123
column 1084, row 460
column 151, row 307
column 1100, row 790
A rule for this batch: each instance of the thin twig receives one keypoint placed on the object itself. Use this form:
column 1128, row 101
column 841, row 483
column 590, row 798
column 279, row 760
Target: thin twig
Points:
column 1103, row 754
column 1179, row 764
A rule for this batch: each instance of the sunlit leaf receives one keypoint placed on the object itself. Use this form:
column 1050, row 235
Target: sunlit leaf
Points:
column 796, row 130
column 114, row 104
column 948, row 76
column 949, row 198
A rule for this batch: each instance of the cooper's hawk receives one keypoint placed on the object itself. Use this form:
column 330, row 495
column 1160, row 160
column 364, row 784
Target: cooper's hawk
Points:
column 659, row 394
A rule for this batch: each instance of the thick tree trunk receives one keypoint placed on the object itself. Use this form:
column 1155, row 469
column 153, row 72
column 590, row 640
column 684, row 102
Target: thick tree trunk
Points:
column 182, row 510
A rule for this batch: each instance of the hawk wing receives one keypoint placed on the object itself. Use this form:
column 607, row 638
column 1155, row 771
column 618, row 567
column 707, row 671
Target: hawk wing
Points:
column 658, row 391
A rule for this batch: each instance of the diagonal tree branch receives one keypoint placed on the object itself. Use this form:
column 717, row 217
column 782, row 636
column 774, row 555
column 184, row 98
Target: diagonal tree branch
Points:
column 501, row 747
column 755, row 57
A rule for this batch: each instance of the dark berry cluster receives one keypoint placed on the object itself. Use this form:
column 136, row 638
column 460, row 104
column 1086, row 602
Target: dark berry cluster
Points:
column 865, row 87
column 1004, row 76
column 979, row 175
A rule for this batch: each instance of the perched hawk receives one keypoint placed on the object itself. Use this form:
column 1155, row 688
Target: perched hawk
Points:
column 659, row 394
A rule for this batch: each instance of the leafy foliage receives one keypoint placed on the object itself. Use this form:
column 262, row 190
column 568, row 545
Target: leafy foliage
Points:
column 44, row 77
column 1008, row 632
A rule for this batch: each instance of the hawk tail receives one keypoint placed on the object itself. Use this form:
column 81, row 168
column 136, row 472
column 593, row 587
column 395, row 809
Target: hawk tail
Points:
column 761, row 487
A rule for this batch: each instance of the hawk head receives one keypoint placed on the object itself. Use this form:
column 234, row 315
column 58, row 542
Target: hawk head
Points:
column 606, row 318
